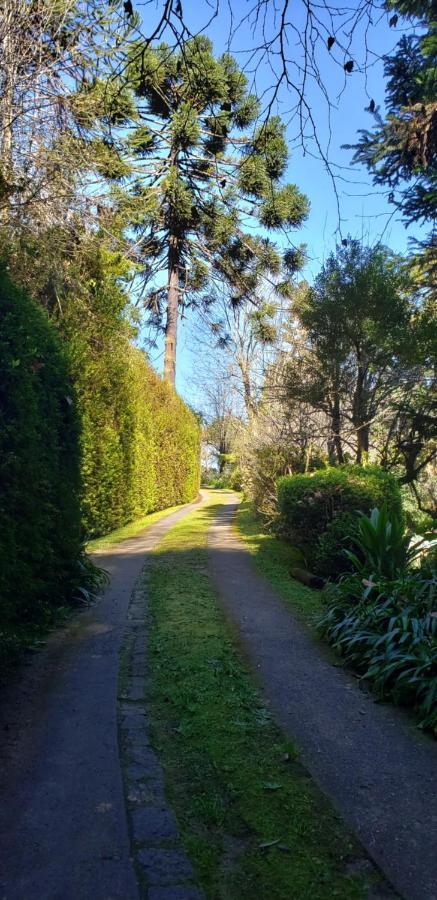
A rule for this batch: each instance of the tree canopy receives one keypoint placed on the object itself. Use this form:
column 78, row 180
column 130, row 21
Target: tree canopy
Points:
column 205, row 168
column 401, row 150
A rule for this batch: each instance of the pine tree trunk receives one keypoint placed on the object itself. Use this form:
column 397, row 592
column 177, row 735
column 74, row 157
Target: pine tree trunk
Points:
column 247, row 388
column 171, row 326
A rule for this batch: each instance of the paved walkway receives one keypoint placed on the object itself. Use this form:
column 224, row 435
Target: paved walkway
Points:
column 63, row 827
column 379, row 771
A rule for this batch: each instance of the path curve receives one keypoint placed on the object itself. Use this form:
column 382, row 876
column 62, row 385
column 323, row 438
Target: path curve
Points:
column 63, row 832
column 379, row 771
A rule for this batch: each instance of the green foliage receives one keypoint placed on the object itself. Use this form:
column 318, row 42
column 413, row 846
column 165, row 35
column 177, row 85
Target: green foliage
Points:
column 140, row 443
column 262, row 467
column 317, row 511
column 208, row 179
column 229, row 478
column 176, row 442
column 90, row 438
column 381, row 617
column 359, row 324
column 385, row 549
column 418, row 521
column 40, row 536
column 387, row 630
column 400, row 150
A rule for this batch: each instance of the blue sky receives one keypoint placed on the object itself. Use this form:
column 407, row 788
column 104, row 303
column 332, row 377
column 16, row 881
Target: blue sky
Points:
column 364, row 210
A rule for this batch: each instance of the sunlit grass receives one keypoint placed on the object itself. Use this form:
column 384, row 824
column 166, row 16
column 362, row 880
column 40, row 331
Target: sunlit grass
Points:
column 275, row 559
column 128, row 531
column 253, row 822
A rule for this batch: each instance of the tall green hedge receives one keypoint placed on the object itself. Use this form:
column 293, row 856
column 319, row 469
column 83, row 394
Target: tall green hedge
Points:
column 40, row 528
column 140, row 444
column 318, row 511
column 90, row 438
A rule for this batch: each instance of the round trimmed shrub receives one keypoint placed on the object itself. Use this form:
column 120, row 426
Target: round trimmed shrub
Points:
column 318, row 511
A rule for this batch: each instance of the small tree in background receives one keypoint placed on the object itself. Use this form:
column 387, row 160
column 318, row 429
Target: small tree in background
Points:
column 357, row 318
column 202, row 181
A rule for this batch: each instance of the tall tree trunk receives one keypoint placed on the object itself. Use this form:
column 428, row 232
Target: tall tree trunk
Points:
column 247, row 387
column 360, row 416
column 171, row 326
column 336, row 429
column 362, row 443
column 6, row 116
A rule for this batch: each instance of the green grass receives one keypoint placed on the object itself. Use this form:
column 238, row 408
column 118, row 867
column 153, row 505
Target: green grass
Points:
column 127, row 531
column 274, row 559
column 253, row 822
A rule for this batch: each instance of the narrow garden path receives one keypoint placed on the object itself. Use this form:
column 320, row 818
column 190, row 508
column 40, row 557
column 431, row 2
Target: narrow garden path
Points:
column 63, row 826
column 379, row 771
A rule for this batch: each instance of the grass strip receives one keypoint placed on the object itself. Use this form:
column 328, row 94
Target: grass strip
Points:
column 96, row 545
column 274, row 559
column 252, row 820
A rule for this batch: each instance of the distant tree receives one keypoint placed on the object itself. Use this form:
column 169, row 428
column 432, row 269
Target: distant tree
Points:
column 201, row 180
column 357, row 318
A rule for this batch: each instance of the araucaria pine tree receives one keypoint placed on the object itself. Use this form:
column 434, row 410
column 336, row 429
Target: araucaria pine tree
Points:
column 209, row 181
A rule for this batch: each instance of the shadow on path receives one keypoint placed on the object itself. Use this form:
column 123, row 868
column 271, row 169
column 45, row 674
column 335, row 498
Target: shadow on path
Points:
column 63, row 832
column 379, row 771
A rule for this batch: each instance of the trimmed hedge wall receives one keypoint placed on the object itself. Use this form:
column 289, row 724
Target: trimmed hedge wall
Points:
column 90, row 439
column 140, row 442
column 40, row 532
column 318, row 511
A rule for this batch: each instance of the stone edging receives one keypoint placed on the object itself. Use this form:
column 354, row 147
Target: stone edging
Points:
column 163, row 869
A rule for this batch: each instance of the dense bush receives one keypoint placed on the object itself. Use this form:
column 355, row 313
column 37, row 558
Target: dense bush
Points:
column 39, row 463
column 317, row 511
column 229, row 478
column 417, row 520
column 176, row 442
column 382, row 618
column 262, row 466
column 139, row 441
column 90, row 438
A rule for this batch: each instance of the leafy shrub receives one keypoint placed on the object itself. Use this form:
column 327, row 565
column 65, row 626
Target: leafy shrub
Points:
column 417, row 520
column 228, row 479
column 382, row 617
column 385, row 549
column 263, row 465
column 40, row 535
column 176, row 440
column 317, row 511
column 140, row 445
